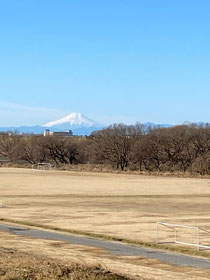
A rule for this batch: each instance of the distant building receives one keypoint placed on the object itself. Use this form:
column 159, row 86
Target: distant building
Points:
column 6, row 133
column 69, row 133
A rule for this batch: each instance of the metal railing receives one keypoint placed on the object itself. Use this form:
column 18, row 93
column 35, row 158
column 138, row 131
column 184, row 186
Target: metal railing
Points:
column 175, row 227
column 42, row 166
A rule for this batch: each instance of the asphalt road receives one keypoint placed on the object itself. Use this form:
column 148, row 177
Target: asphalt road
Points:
column 113, row 248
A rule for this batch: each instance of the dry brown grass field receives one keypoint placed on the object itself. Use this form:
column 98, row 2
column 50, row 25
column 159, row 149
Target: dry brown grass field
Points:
column 120, row 205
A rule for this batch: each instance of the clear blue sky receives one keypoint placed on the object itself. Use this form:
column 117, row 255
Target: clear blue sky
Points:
column 112, row 60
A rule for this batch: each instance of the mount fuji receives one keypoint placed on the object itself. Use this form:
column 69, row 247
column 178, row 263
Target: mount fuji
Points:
column 77, row 122
column 72, row 120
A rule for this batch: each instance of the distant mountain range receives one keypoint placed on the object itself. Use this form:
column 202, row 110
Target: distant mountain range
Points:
column 77, row 122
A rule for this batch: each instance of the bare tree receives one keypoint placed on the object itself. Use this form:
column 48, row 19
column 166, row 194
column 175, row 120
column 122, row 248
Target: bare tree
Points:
column 113, row 145
column 62, row 150
column 32, row 149
column 9, row 147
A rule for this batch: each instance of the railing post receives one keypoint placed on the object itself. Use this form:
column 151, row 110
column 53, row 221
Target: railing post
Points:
column 198, row 239
column 157, row 238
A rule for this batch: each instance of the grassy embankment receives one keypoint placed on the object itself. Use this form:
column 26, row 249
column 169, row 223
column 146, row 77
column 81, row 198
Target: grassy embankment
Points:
column 15, row 265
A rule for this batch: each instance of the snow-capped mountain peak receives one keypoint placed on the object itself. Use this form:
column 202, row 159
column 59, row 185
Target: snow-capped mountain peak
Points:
column 73, row 119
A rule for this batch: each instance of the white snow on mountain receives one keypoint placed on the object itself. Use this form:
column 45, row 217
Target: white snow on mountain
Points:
column 74, row 119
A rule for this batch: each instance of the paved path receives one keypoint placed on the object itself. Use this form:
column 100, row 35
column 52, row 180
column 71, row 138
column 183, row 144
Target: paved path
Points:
column 113, row 248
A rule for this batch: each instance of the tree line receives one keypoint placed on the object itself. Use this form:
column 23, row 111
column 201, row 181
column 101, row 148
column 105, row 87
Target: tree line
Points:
column 184, row 148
